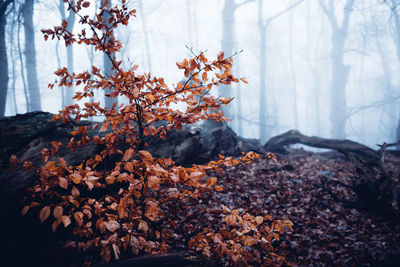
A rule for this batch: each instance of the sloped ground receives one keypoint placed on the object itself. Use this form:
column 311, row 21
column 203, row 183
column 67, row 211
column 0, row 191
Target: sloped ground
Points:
column 325, row 232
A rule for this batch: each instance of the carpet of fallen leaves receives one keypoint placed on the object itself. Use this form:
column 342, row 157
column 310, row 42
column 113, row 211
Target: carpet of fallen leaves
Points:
column 325, row 231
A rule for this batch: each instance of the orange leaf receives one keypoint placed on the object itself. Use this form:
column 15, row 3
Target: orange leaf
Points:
column 75, row 177
column 62, row 182
column 152, row 210
column 249, row 241
column 28, row 165
column 143, row 226
column 75, row 192
column 230, row 219
column 105, row 126
column 220, row 55
column 244, row 80
column 208, row 99
column 128, row 154
column 145, row 156
column 85, row 4
column 25, row 210
column 204, row 76
column 78, row 216
column 45, row 154
column 259, row 220
column 153, row 182
column 218, row 188
column 211, row 181
column 63, row 163
column 64, row 23
column 91, row 181
column 58, row 212
column 44, row 213
column 66, row 220
column 112, row 226
column 56, row 223
column 110, row 179
column 98, row 158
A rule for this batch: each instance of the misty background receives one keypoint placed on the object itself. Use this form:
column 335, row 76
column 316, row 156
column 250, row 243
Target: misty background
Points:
column 328, row 68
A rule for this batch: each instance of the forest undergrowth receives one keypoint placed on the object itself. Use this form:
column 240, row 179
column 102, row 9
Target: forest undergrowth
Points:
column 325, row 233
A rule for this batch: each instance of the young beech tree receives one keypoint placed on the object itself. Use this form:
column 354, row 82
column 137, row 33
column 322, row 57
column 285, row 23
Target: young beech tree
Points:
column 117, row 212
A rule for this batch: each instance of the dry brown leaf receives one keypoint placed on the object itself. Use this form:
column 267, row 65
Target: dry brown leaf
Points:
column 58, row 212
column 112, row 226
column 44, row 213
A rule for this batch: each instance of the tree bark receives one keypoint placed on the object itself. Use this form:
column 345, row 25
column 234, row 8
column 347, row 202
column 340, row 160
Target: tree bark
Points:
column 30, row 57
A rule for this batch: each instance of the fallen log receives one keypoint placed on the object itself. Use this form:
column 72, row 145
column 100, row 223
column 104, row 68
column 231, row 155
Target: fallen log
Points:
column 279, row 142
column 377, row 183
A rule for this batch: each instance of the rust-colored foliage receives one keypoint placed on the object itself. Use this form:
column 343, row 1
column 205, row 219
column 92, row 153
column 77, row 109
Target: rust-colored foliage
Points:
column 117, row 212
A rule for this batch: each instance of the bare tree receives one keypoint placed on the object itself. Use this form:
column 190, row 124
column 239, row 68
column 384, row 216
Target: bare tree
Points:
column 293, row 83
column 21, row 59
column 67, row 93
column 394, row 5
column 3, row 56
column 11, row 36
column 107, row 64
column 263, row 25
column 315, row 70
column 227, row 41
column 340, row 71
column 191, row 14
column 30, row 56
column 145, row 33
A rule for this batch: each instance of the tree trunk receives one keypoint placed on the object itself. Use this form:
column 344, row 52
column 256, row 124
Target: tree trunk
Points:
column 340, row 71
column 30, row 56
column 21, row 60
column 398, row 131
column 107, row 64
column 397, row 43
column 3, row 56
column 263, row 28
column 314, row 68
column 293, row 73
column 67, row 92
column 262, row 105
column 146, row 36
column 228, row 20
column 70, row 59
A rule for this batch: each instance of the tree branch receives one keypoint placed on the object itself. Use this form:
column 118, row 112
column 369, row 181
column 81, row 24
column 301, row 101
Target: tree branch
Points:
column 347, row 11
column 329, row 13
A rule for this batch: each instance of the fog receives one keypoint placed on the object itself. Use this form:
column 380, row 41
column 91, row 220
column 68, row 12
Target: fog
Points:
column 328, row 68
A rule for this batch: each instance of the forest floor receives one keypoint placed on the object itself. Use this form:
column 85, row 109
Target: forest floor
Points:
column 325, row 233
